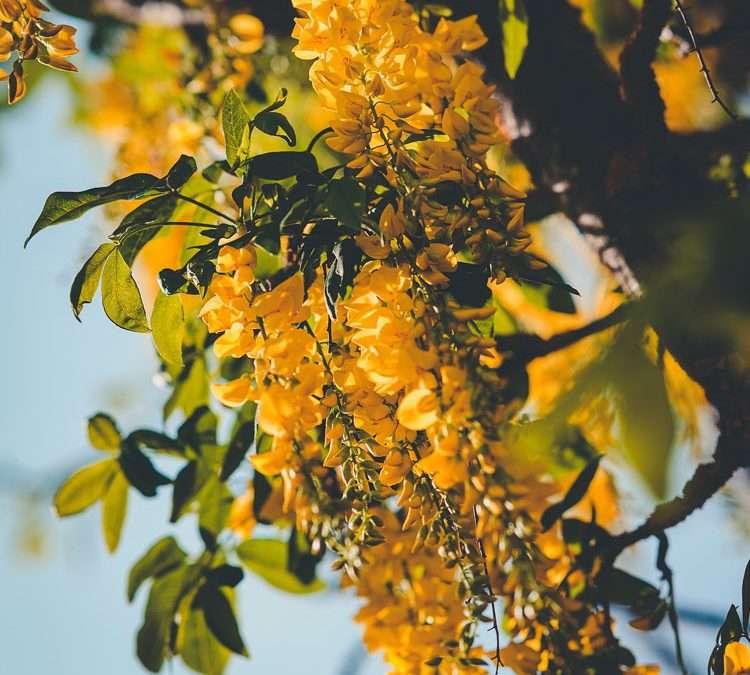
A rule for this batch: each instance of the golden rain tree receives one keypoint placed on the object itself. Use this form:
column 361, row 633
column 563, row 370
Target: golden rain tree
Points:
column 362, row 216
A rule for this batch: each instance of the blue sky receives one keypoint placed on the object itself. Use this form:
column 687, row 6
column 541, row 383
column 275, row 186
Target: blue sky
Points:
column 65, row 612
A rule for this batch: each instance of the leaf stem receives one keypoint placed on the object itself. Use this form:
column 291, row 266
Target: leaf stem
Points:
column 205, row 207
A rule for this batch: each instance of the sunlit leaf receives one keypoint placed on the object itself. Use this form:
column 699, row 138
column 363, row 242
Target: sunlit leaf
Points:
column 234, row 120
column 198, row 647
column 120, row 295
column 515, row 31
column 103, row 433
column 64, row 206
column 114, row 510
column 268, row 558
column 168, row 327
column 85, row 487
column 153, row 638
column 645, row 416
column 86, row 282
column 163, row 556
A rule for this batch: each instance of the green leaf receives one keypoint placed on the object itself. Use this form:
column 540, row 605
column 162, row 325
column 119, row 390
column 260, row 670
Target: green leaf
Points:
column 346, row 200
column 162, row 557
column 468, row 285
column 139, row 226
column 215, row 503
column 120, row 296
column 278, row 102
column 238, row 448
column 103, row 433
column 276, row 124
column 644, row 414
column 301, row 561
column 155, row 440
column 651, row 620
column 140, row 472
column 197, row 646
column 153, row 638
column 515, row 31
column 220, row 618
column 622, row 588
column 234, row 121
column 575, row 494
column 84, row 488
column 61, row 207
column 225, row 575
column 190, row 391
column 180, row 173
column 168, row 327
column 268, row 559
column 84, row 286
column 184, row 489
column 114, row 510
column 283, row 164
column 64, row 206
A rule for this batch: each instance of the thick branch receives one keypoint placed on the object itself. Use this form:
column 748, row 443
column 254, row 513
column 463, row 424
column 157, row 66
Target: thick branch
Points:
column 526, row 347
column 639, row 85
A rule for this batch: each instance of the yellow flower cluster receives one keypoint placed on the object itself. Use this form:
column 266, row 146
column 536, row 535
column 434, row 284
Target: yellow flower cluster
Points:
column 26, row 34
column 406, row 107
column 288, row 373
column 411, row 610
column 163, row 89
column 400, row 394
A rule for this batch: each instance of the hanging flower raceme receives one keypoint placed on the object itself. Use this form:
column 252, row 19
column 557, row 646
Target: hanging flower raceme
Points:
column 27, row 36
column 404, row 106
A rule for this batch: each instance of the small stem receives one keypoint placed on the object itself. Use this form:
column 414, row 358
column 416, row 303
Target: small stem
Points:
column 495, row 627
column 317, row 137
column 153, row 226
column 702, row 62
column 205, row 207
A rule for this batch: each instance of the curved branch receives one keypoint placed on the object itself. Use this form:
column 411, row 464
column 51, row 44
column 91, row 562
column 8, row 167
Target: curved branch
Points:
column 706, row 481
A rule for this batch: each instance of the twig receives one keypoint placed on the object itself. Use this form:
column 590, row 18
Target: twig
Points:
column 666, row 572
column 703, row 67
column 203, row 206
column 498, row 660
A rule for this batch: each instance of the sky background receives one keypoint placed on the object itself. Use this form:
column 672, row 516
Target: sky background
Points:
column 65, row 611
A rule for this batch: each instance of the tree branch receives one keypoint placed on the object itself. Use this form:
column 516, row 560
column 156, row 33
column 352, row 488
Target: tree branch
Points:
column 525, row 347
column 706, row 481
column 639, row 85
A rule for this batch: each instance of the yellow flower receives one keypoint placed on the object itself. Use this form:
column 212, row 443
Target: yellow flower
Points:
column 643, row 670
column 234, row 393
column 249, row 33
column 736, row 659
column 419, row 409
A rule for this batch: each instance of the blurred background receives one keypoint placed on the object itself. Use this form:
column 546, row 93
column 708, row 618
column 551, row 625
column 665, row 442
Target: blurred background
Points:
column 63, row 607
